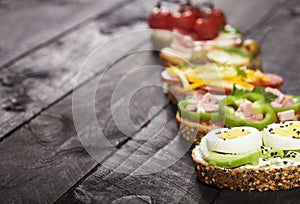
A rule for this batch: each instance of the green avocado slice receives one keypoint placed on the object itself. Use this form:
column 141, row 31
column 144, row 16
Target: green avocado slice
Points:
column 232, row 160
column 269, row 152
column 295, row 155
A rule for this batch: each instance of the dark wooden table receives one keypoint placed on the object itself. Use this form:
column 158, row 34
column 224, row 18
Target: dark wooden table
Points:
column 42, row 47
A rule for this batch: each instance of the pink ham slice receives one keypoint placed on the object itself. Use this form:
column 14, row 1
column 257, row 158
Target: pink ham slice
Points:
column 255, row 117
column 209, row 103
column 209, row 98
column 276, row 105
column 286, row 115
column 210, row 108
column 191, row 108
column 245, row 108
column 281, row 100
column 288, row 101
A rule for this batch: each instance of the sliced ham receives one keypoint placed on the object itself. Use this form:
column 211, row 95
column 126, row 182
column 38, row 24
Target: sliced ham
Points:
column 209, row 98
column 191, row 108
column 209, row 103
column 210, row 108
column 286, row 115
column 256, row 117
column 245, row 111
column 276, row 92
column 245, row 108
column 288, row 101
column 167, row 77
column 276, row 105
column 274, row 81
column 281, row 100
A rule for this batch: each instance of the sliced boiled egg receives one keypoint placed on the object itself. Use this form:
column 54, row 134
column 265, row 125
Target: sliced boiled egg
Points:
column 233, row 140
column 284, row 135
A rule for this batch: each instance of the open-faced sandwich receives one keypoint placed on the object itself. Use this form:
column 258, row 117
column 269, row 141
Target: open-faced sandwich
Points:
column 200, row 23
column 245, row 159
column 245, row 55
column 257, row 108
column 196, row 32
column 184, row 80
column 199, row 114
column 185, row 34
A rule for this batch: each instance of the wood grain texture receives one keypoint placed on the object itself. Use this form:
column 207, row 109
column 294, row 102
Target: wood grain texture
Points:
column 175, row 184
column 28, row 24
column 45, row 158
column 280, row 45
column 59, row 63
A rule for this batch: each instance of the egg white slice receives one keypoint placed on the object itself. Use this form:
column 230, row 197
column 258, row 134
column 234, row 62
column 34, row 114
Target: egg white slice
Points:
column 283, row 142
column 251, row 141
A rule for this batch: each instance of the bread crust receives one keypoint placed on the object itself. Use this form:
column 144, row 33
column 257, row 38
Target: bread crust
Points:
column 193, row 131
column 252, row 179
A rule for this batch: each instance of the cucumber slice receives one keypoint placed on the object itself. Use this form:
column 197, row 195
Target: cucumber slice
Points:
column 232, row 160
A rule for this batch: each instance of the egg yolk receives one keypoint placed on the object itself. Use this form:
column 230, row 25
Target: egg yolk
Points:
column 290, row 131
column 234, row 134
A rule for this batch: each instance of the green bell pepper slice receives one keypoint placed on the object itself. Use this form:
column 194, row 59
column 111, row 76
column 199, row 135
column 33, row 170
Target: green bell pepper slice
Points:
column 295, row 107
column 195, row 116
column 230, row 104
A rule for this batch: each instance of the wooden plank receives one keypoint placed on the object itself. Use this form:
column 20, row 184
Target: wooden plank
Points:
column 59, row 63
column 246, row 15
column 280, row 44
column 27, row 24
column 177, row 183
column 47, row 152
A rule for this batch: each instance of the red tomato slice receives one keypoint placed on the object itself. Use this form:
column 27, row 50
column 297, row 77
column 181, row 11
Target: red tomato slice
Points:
column 219, row 16
column 185, row 20
column 206, row 28
column 160, row 18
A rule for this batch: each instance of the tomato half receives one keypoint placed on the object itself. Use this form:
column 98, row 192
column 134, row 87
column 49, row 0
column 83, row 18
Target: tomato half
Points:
column 160, row 18
column 219, row 16
column 206, row 28
column 185, row 20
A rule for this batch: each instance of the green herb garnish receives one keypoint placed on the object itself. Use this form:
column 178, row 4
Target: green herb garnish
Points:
column 267, row 95
column 230, row 29
column 238, row 51
column 185, row 65
column 241, row 72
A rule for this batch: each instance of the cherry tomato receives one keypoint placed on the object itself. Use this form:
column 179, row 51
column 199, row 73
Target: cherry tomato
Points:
column 188, row 6
column 160, row 18
column 185, row 20
column 197, row 12
column 206, row 28
column 219, row 17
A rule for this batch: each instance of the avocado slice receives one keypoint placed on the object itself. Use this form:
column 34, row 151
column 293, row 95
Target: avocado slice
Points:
column 295, row 155
column 269, row 152
column 232, row 160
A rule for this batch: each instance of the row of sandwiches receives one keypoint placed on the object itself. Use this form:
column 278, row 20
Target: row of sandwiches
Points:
column 245, row 131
